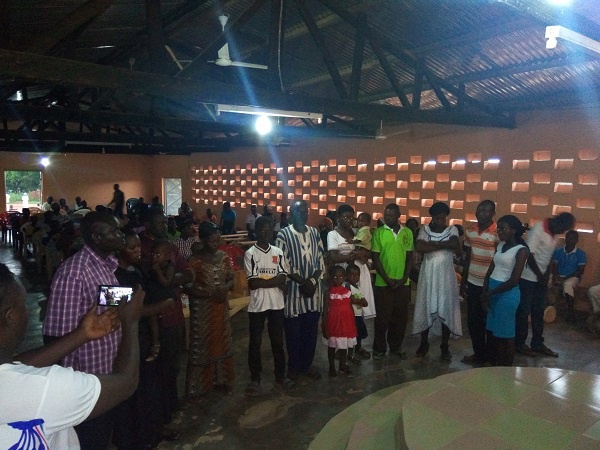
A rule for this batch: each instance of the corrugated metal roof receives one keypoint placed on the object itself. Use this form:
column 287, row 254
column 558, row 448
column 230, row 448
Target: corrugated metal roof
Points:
column 496, row 49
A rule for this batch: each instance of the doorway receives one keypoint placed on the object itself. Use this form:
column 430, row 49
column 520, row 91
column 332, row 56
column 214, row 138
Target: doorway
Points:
column 23, row 189
column 172, row 189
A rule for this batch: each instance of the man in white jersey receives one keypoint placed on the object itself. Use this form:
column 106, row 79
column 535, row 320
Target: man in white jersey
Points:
column 41, row 402
column 266, row 269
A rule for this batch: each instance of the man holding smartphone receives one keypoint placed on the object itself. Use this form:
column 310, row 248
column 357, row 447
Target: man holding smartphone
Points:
column 41, row 403
column 73, row 291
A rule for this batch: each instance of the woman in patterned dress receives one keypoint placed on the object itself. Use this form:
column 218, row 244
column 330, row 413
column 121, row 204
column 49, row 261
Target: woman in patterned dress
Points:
column 210, row 356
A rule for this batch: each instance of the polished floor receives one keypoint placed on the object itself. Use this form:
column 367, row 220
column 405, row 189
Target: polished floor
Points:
column 276, row 420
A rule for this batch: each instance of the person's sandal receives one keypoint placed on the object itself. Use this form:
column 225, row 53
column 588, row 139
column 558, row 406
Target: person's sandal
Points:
column 154, row 351
column 345, row 370
column 286, row 385
column 362, row 353
column 378, row 356
column 354, row 360
column 313, row 373
column 253, row 389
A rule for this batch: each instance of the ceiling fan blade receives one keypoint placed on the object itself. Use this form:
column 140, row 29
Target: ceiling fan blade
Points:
column 223, row 52
column 173, row 57
column 249, row 65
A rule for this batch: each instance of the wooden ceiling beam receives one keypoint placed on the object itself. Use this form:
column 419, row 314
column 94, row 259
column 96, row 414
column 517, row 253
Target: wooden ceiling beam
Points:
column 95, row 138
column 51, row 147
column 77, row 20
column 404, row 56
column 357, row 59
column 471, row 38
column 391, row 76
column 60, row 71
column 102, row 99
column 440, row 95
column 418, row 86
column 322, row 47
column 5, row 34
column 101, row 117
column 156, row 38
column 181, row 15
column 471, row 77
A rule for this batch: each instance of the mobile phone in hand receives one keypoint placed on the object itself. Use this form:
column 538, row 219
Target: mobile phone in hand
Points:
column 113, row 295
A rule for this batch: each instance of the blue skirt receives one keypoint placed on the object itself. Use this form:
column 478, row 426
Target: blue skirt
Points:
column 501, row 313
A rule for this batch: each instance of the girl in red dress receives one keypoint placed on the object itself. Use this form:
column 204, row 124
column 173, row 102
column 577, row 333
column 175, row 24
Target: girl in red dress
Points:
column 339, row 326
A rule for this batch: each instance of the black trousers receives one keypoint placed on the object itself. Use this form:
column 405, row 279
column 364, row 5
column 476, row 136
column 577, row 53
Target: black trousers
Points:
column 275, row 329
column 391, row 305
column 301, row 340
column 533, row 301
column 171, row 343
column 476, row 321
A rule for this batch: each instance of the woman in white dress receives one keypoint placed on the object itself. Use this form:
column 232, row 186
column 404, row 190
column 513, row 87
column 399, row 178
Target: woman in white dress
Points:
column 341, row 251
column 437, row 305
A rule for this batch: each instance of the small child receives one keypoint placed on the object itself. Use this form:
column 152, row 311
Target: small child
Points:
column 338, row 324
column 266, row 269
column 358, row 302
column 196, row 250
column 363, row 235
column 160, row 287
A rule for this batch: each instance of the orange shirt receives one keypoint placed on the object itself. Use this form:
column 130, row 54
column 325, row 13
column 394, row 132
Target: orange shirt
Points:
column 483, row 246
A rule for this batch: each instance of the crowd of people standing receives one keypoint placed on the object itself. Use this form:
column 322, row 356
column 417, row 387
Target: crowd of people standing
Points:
column 295, row 285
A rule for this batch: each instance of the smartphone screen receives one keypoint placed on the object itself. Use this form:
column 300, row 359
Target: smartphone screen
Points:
column 113, row 295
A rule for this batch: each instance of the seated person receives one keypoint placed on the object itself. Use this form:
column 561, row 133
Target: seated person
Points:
column 568, row 264
column 593, row 294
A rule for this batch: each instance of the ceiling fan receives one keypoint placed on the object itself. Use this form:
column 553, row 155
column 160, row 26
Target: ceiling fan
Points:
column 224, row 60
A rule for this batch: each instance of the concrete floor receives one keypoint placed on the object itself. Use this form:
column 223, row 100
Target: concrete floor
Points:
column 274, row 420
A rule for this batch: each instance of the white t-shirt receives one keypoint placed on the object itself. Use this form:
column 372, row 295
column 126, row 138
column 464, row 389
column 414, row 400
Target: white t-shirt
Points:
column 358, row 310
column 251, row 220
column 541, row 245
column 504, row 263
column 259, row 263
column 41, row 406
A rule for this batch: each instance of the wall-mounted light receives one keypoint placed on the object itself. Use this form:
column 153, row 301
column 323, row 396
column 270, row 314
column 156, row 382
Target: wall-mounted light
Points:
column 45, row 161
column 554, row 32
column 267, row 112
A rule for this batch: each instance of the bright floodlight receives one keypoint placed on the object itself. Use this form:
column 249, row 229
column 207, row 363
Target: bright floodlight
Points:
column 560, row 2
column 45, row 162
column 263, row 125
